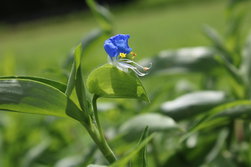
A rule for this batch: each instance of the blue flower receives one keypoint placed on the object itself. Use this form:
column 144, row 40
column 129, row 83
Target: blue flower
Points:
column 120, row 54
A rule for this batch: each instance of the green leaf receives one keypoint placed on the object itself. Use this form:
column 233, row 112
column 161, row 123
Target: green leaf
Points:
column 29, row 96
column 219, row 145
column 87, row 42
column 76, row 80
column 55, row 84
column 76, row 64
column 102, row 14
column 246, row 61
column 197, row 59
column 110, row 82
column 93, row 165
column 221, row 115
column 236, row 109
column 193, row 103
column 154, row 121
column 35, row 152
column 141, row 158
column 218, row 42
column 227, row 57
column 123, row 161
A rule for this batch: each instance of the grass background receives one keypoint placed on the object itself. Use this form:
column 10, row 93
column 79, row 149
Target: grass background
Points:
column 41, row 45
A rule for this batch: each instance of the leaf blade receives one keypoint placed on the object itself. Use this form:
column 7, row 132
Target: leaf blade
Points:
column 109, row 82
column 33, row 97
column 55, row 84
column 193, row 103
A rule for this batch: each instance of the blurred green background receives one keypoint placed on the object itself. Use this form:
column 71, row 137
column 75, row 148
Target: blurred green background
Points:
column 40, row 47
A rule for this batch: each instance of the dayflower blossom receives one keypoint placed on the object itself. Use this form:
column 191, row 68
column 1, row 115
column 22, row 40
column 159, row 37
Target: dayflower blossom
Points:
column 121, row 55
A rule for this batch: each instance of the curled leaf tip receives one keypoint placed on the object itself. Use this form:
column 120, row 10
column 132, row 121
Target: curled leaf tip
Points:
column 121, row 55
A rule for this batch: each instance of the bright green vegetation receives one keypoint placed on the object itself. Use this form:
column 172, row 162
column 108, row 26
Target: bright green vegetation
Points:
column 203, row 88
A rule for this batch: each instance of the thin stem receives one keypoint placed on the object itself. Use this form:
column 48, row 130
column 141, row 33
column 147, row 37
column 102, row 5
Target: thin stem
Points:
column 103, row 145
column 94, row 104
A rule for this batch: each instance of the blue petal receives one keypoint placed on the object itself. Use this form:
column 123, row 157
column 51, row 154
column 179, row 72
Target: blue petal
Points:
column 111, row 49
column 121, row 41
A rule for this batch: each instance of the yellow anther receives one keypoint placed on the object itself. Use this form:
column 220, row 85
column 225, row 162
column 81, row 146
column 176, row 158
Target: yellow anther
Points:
column 146, row 68
column 123, row 55
column 133, row 54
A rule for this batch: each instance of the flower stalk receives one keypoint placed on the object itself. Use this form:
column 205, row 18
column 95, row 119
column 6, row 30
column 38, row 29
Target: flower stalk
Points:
column 96, row 132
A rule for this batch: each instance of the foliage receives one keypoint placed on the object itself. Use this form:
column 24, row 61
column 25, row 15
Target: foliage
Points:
column 201, row 120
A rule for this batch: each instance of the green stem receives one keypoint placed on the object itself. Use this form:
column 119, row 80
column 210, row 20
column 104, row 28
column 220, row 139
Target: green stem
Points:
column 155, row 154
column 102, row 143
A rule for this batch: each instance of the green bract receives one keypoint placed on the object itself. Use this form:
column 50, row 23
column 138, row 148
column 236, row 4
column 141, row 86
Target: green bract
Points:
column 110, row 82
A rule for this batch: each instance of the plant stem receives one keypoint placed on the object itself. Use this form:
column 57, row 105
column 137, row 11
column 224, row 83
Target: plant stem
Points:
column 101, row 142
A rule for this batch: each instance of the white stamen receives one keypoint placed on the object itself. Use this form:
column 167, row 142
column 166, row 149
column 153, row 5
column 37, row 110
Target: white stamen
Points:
column 125, row 64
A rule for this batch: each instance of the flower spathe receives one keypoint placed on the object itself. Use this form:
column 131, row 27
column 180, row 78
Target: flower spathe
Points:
column 121, row 55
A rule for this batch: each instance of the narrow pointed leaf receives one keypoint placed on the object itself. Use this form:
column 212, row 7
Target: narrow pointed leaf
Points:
column 29, row 96
column 218, row 42
column 141, row 158
column 55, row 84
column 224, row 113
column 246, row 60
column 219, row 145
column 75, row 66
column 123, row 161
column 76, row 79
column 102, row 14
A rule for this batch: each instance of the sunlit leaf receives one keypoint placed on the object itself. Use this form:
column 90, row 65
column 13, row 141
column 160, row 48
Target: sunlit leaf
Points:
column 110, row 82
column 197, row 59
column 193, row 103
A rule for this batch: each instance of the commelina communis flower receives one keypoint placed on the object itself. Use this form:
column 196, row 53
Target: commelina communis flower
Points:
column 121, row 55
